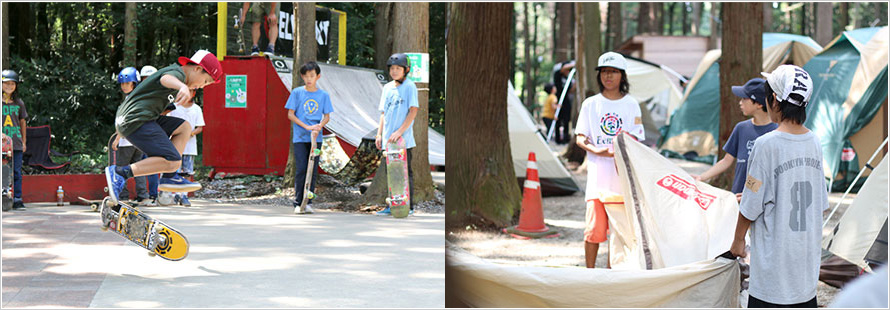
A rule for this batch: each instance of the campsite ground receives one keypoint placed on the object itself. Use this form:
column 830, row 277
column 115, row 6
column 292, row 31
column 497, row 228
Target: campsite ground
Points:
column 565, row 214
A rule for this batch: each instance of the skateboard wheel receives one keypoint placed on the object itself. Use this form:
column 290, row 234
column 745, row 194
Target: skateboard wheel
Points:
column 317, row 152
column 152, row 253
column 310, row 195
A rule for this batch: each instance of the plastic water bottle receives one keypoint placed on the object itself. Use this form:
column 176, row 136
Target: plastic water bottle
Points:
column 60, row 194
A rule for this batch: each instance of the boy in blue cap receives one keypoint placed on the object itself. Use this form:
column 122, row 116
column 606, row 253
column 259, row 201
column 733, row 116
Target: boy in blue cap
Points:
column 738, row 147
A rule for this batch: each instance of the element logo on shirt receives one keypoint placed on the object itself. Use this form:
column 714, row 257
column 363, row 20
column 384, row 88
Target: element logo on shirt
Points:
column 750, row 146
column 392, row 102
column 610, row 124
column 310, row 106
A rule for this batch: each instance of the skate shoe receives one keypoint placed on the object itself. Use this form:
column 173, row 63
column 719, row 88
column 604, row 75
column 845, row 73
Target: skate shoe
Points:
column 184, row 201
column 384, row 212
column 178, row 184
column 115, row 183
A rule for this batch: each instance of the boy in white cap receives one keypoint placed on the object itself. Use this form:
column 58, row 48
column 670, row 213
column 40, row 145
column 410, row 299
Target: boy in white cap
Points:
column 163, row 139
column 603, row 117
column 783, row 199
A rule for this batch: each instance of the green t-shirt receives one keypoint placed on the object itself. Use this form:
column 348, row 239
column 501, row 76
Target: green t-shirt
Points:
column 147, row 101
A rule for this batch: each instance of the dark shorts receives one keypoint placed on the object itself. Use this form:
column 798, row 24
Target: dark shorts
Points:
column 757, row 303
column 153, row 138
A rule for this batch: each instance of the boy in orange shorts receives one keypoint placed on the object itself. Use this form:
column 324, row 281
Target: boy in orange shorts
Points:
column 603, row 117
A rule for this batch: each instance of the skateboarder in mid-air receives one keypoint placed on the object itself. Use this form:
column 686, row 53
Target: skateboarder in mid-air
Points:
column 398, row 107
column 161, row 138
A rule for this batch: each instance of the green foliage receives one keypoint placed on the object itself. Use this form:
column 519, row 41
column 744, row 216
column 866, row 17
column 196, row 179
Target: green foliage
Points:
column 360, row 20
column 76, row 98
column 438, row 26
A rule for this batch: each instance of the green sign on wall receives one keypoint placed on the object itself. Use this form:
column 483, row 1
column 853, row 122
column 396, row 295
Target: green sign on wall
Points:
column 420, row 67
column 236, row 91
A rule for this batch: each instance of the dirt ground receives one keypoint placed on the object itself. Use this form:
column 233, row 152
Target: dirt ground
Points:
column 269, row 190
column 565, row 214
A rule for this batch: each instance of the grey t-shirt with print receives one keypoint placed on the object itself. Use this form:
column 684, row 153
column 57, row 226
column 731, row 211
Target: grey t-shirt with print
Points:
column 784, row 196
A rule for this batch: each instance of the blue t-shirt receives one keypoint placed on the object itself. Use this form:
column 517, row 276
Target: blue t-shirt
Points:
column 740, row 144
column 310, row 108
column 395, row 103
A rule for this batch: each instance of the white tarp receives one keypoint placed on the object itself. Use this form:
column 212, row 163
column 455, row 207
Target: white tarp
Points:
column 712, row 283
column 862, row 222
column 355, row 94
column 524, row 138
column 675, row 220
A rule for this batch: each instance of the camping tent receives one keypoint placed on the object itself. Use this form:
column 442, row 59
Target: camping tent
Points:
column 355, row 94
column 656, row 88
column 861, row 234
column 525, row 138
column 693, row 126
column 847, row 110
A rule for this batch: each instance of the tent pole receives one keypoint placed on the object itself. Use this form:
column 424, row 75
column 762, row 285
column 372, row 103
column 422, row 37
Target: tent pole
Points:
column 562, row 96
column 880, row 148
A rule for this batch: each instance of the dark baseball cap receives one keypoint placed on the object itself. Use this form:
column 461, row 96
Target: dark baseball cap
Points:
column 752, row 90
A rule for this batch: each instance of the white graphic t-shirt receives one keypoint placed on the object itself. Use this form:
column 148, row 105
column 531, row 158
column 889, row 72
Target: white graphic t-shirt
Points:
column 600, row 120
column 195, row 116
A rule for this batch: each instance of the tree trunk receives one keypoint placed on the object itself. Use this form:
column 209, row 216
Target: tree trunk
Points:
column 615, row 34
column 5, row 57
column 767, row 16
column 22, row 28
column 588, row 50
column 789, row 18
column 553, row 27
column 823, row 22
column 534, row 75
column 659, row 17
column 305, row 50
column 803, row 20
column 410, row 34
column 382, row 33
column 529, row 83
column 565, row 33
column 742, row 29
column 696, row 18
column 844, row 20
column 715, row 27
column 592, row 48
column 483, row 187
column 685, row 18
column 130, row 35
column 645, row 18
column 670, row 18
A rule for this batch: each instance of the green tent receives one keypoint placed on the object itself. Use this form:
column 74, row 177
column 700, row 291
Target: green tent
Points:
column 693, row 126
column 850, row 88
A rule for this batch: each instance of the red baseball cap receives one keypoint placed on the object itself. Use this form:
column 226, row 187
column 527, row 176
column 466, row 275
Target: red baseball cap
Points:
column 207, row 61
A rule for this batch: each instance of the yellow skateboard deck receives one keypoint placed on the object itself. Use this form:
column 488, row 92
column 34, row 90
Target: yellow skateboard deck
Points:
column 153, row 235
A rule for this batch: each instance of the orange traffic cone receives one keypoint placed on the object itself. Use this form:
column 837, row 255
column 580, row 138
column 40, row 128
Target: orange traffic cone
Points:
column 531, row 217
